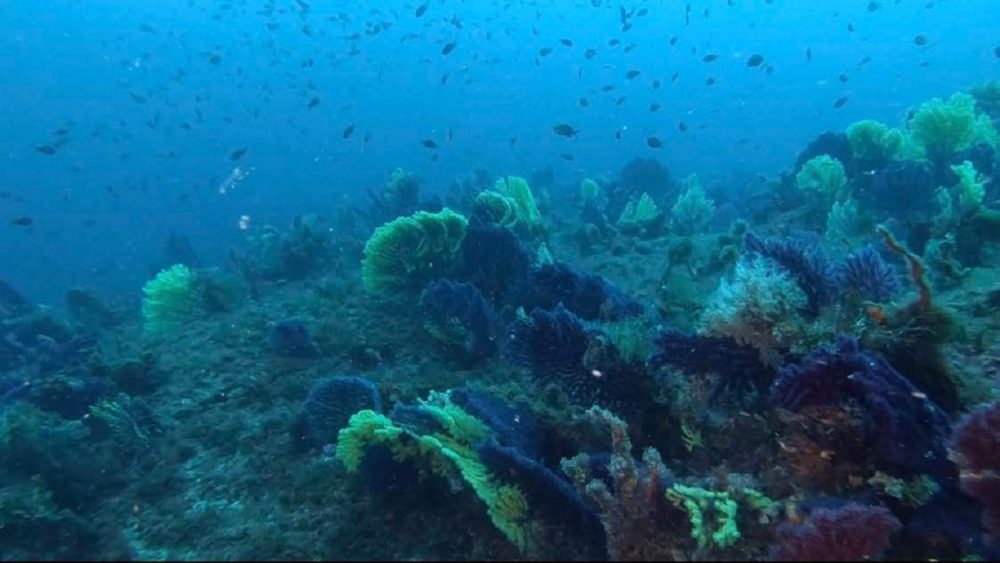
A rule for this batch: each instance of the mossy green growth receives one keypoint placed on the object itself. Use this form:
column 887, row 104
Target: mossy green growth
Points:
column 518, row 190
column 409, row 251
column 170, row 299
column 631, row 337
column 944, row 127
column 712, row 514
column 823, row 174
column 872, row 142
column 447, row 453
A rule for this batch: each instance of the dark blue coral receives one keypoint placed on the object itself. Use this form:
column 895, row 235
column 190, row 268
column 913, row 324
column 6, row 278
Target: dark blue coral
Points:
column 459, row 312
column 557, row 347
column 739, row 366
column 495, row 260
column 331, row 403
column 802, row 256
column 865, row 273
column 907, row 430
column 589, row 296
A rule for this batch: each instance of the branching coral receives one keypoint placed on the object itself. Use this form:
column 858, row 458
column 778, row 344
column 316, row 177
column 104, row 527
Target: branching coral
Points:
column 170, row 299
column 409, row 251
column 632, row 505
column 852, row 532
column 519, row 192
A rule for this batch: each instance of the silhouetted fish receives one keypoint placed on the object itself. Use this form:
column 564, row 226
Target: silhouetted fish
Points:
column 709, row 58
column 46, row 149
column 654, row 142
column 421, row 10
column 755, row 60
column 448, row 48
column 237, row 154
column 348, row 131
column 632, row 74
column 22, row 221
column 429, row 143
column 565, row 130
column 839, row 102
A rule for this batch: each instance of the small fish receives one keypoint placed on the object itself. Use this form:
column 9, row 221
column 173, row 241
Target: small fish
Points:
column 566, row 42
column 429, row 143
column 673, row 40
column 632, row 74
column 614, row 42
column 809, row 54
column 421, row 10
column 607, row 88
column 654, row 106
column 368, row 137
column 755, row 60
column 584, row 102
column 590, row 54
column 22, row 221
column 565, row 130
column 448, row 48
column 444, row 79
column 675, row 76
column 656, row 84
column 545, row 51
column 850, row 27
column 709, row 81
column 712, row 57
column 839, row 102
column 873, row 6
column 348, row 131
column 864, row 61
column 618, row 135
column 313, row 103
column 46, row 149
column 682, row 127
column 215, row 59
column 920, row 40
column 137, row 98
column 513, row 140
column 237, row 154
column 620, row 101
column 996, row 51
column 567, row 157
column 654, row 142
column 843, row 77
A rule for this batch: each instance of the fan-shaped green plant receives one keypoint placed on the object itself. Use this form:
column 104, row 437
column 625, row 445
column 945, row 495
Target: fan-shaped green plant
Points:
column 409, row 251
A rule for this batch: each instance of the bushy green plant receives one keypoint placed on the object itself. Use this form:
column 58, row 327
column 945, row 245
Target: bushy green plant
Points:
column 945, row 127
column 409, row 251
column 170, row 299
column 642, row 215
column 518, row 190
column 693, row 211
column 872, row 142
column 823, row 174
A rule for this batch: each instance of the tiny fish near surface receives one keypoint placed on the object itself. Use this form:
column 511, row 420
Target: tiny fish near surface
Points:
column 755, row 60
column 839, row 102
column 348, row 131
column 448, row 48
column 237, row 154
column 654, row 142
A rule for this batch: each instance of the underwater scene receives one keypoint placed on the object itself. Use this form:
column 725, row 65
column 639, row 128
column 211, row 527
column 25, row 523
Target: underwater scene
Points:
column 500, row 279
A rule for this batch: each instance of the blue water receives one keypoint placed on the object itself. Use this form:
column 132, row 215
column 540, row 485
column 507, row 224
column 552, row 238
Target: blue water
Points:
column 65, row 62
